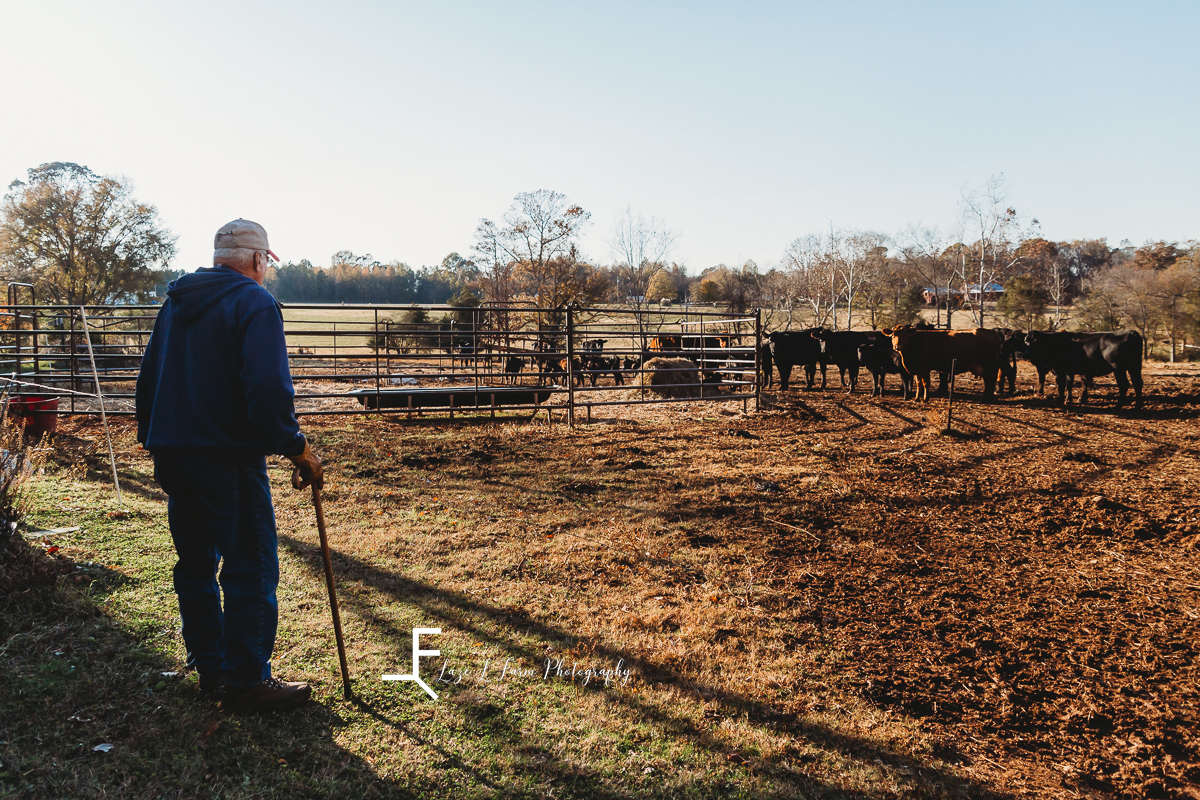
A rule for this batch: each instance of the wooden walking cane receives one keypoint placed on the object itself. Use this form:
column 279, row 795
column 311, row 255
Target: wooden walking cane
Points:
column 333, row 606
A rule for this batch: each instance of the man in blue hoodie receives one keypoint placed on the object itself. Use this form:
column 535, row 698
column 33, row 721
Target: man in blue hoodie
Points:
column 214, row 398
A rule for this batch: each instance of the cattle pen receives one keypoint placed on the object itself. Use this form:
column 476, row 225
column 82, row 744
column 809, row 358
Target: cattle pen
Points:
column 412, row 360
column 827, row 596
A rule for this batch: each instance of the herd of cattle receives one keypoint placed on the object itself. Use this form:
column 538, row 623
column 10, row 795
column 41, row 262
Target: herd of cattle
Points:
column 593, row 362
column 914, row 352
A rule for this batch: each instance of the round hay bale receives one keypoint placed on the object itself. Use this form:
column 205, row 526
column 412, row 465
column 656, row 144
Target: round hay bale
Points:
column 672, row 377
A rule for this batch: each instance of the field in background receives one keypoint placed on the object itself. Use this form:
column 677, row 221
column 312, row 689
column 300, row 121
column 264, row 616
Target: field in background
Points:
column 360, row 323
column 828, row 598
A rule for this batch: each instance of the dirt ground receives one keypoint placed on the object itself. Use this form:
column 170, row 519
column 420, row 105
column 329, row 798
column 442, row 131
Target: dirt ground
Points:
column 1024, row 589
column 1029, row 589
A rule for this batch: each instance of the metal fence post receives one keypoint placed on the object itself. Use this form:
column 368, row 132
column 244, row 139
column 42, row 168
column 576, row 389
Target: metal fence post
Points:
column 33, row 329
column 757, row 357
column 376, row 342
column 76, row 385
column 112, row 458
column 475, row 346
column 16, row 334
column 570, row 368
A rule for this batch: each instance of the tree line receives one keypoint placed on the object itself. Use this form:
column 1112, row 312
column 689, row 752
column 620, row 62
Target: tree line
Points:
column 352, row 278
column 78, row 237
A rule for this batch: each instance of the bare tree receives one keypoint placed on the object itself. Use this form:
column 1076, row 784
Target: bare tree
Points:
column 891, row 284
column 535, row 248
column 781, row 293
column 923, row 250
column 495, row 262
column 1180, row 282
column 810, row 269
column 1059, row 287
column 986, row 213
column 826, row 270
column 860, row 257
column 640, row 246
column 1124, row 292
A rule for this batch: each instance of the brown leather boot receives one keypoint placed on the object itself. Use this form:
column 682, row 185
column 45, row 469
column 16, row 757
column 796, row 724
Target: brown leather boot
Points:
column 270, row 695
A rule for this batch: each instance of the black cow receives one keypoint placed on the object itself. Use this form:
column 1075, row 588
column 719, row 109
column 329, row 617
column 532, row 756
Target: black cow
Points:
column 797, row 349
column 882, row 360
column 1012, row 346
column 841, row 348
column 696, row 342
column 551, row 369
column 613, row 365
column 575, row 367
column 1089, row 355
column 462, row 350
column 512, row 367
column 766, row 367
column 597, row 367
column 591, row 367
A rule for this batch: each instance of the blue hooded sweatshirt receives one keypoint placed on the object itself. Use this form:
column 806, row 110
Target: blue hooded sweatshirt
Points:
column 215, row 373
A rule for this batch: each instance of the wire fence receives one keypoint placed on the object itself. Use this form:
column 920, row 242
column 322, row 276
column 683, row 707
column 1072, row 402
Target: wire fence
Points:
column 412, row 360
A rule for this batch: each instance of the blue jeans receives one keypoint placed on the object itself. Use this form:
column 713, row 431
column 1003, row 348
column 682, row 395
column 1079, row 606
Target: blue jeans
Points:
column 220, row 512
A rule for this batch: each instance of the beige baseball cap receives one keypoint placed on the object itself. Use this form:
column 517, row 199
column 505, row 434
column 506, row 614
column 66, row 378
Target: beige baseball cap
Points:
column 243, row 233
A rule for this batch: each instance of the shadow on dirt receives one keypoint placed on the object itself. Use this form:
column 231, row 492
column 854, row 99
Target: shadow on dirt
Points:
column 480, row 620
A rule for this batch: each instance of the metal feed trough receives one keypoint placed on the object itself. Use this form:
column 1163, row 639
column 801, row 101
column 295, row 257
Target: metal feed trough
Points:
column 407, row 359
column 457, row 397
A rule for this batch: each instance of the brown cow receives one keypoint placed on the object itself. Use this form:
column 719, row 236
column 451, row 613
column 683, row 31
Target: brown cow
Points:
column 976, row 351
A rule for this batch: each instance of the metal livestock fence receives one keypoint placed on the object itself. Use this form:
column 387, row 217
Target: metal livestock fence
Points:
column 413, row 360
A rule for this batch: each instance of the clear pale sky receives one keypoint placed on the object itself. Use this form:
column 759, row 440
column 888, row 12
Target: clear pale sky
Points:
column 391, row 128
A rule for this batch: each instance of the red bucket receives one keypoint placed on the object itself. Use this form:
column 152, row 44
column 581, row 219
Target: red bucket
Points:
column 40, row 413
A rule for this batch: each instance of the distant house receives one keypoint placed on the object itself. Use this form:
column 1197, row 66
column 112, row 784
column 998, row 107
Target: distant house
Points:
column 936, row 295
column 991, row 292
column 970, row 294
